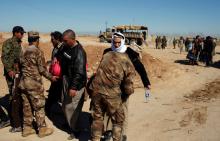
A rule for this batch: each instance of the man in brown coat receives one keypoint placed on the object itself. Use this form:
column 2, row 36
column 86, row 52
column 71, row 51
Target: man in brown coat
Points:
column 114, row 77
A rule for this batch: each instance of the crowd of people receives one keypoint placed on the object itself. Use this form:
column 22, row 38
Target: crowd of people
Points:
column 198, row 48
column 109, row 88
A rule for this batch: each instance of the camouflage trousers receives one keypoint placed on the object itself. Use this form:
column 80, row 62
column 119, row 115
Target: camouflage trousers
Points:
column 33, row 106
column 108, row 123
column 102, row 104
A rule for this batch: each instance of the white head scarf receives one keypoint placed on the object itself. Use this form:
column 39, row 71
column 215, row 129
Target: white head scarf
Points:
column 122, row 47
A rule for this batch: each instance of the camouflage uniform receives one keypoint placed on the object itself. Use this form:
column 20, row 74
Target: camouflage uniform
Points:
column 31, row 85
column 11, row 50
column 114, row 76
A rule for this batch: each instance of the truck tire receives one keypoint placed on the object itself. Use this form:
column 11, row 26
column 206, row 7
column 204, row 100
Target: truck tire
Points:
column 102, row 39
column 132, row 41
column 139, row 42
column 127, row 42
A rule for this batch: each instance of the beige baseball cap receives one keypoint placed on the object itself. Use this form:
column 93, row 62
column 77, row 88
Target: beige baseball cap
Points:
column 33, row 34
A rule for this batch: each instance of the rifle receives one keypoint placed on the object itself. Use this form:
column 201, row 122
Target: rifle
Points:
column 16, row 81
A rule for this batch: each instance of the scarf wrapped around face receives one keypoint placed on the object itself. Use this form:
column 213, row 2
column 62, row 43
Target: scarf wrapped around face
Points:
column 122, row 47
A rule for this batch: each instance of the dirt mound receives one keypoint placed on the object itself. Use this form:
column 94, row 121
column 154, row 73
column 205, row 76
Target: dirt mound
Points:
column 155, row 68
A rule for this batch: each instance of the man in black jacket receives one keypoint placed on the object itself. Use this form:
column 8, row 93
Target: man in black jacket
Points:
column 54, row 92
column 73, row 66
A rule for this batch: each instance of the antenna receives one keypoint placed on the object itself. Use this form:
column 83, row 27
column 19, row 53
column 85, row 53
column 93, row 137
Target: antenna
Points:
column 106, row 24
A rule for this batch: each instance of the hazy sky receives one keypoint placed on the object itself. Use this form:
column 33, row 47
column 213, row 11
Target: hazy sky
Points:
column 161, row 16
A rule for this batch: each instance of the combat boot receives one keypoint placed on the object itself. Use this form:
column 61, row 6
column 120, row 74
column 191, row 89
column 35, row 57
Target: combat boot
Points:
column 27, row 131
column 107, row 135
column 45, row 131
column 124, row 138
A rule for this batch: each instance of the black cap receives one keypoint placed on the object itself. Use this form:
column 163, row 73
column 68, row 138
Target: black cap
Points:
column 18, row 29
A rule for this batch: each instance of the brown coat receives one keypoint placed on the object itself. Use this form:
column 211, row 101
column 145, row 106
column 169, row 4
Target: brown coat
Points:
column 114, row 75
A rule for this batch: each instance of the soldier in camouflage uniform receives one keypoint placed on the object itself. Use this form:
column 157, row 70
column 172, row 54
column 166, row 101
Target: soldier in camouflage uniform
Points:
column 139, row 67
column 31, row 85
column 114, row 77
column 11, row 51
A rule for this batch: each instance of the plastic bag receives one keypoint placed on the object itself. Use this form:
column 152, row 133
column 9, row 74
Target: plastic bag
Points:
column 55, row 69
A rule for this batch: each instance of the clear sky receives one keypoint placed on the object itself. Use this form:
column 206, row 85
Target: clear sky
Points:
column 161, row 16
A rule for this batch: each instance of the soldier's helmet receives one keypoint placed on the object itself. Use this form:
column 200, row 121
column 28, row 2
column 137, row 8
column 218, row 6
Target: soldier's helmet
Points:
column 18, row 29
column 33, row 34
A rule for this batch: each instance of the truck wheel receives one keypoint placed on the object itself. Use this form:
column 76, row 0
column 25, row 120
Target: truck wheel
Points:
column 127, row 41
column 102, row 39
column 139, row 42
column 133, row 41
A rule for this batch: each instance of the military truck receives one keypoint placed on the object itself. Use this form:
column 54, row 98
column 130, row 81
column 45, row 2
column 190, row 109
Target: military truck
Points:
column 132, row 33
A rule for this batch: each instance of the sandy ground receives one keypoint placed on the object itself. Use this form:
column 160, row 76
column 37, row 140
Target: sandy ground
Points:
column 183, row 106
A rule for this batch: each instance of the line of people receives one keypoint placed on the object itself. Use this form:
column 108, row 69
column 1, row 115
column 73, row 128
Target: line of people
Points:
column 198, row 48
column 109, row 89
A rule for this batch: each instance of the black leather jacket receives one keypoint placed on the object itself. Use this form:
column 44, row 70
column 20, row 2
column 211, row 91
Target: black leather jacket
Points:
column 73, row 65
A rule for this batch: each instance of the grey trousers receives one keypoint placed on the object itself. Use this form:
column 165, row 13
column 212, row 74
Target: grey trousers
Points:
column 72, row 106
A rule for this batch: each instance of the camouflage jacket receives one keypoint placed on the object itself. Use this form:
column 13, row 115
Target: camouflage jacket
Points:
column 33, row 66
column 114, row 75
column 11, row 50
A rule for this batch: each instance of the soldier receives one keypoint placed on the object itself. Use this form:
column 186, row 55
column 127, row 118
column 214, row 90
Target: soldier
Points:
column 174, row 43
column 31, row 85
column 164, row 42
column 156, row 42
column 159, row 42
column 114, row 77
column 11, row 51
column 139, row 67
